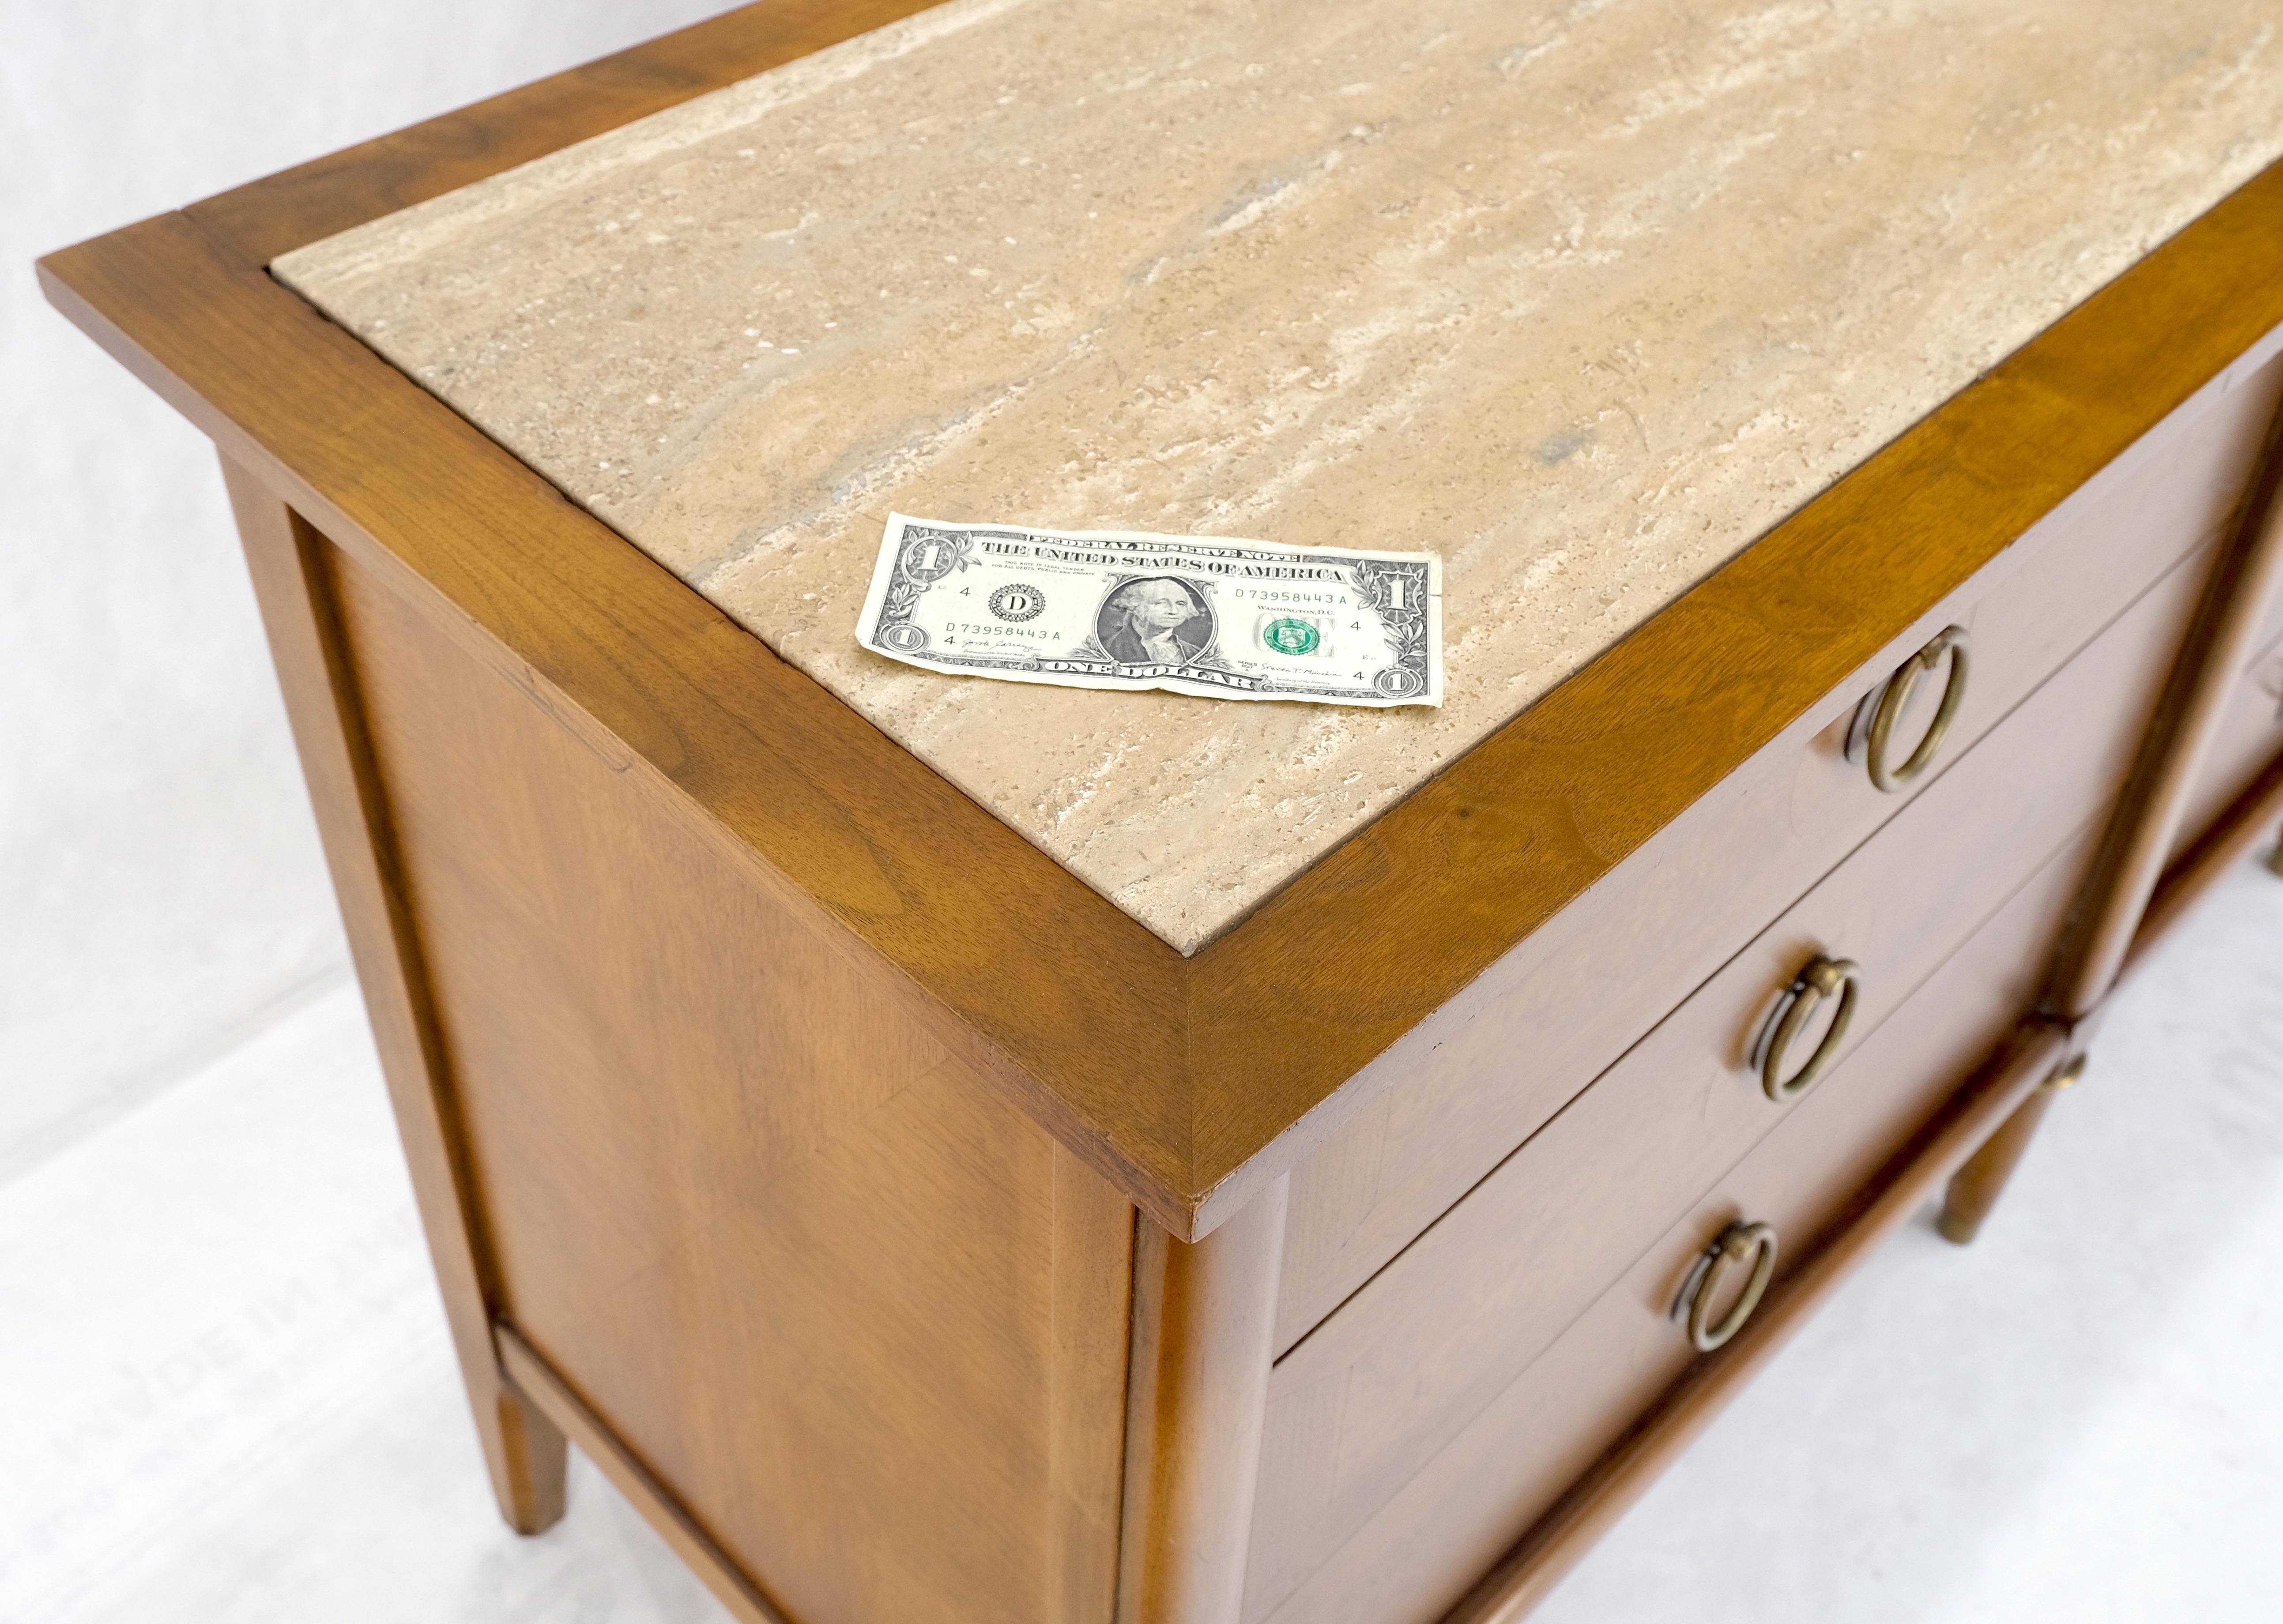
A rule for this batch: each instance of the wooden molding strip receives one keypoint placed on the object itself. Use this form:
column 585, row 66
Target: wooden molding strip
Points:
column 2249, row 819
column 1029, row 968
column 1142, row 1062
column 554, row 1397
column 292, row 584
column 1528, row 1573
column 1204, row 1339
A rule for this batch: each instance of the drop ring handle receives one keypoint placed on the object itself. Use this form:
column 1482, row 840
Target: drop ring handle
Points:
column 1731, row 1247
column 1822, row 979
column 1896, row 698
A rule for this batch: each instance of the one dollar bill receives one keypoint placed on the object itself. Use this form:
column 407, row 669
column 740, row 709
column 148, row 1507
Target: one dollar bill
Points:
column 1113, row 608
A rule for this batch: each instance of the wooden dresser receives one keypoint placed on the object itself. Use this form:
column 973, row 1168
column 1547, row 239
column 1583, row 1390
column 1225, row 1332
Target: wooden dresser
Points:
column 935, row 1193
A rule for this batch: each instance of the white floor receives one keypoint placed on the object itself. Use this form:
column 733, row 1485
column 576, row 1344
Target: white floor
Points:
column 225, row 1393
column 236, row 1401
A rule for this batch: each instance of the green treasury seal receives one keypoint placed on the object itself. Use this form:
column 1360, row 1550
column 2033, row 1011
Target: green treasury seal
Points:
column 1289, row 636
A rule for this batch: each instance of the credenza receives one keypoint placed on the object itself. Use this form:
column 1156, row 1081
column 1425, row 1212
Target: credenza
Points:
column 949, row 1151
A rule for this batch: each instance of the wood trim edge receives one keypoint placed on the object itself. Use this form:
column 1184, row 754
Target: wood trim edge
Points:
column 1530, row 1571
column 287, row 561
column 537, row 1381
column 739, row 794
column 1204, row 1328
column 1359, row 949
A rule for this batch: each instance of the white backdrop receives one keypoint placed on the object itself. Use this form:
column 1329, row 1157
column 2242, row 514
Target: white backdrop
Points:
column 161, row 894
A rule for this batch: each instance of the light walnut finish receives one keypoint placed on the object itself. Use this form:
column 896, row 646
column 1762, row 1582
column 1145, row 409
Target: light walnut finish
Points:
column 1463, row 1089
column 788, row 1114
column 555, row 1398
column 1974, row 1188
column 1372, row 1392
column 1016, row 958
column 847, row 1306
column 1506, row 1594
column 1138, row 1060
column 1197, row 1386
column 1446, row 1524
column 522, row 1449
column 1096, row 1234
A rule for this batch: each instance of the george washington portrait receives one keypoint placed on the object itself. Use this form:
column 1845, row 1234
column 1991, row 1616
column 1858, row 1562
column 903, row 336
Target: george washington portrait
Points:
column 1156, row 620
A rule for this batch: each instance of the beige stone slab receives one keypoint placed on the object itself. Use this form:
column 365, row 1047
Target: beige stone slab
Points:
column 1583, row 296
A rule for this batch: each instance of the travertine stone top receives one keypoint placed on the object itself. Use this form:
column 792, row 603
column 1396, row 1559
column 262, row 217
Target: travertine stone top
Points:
column 1583, row 297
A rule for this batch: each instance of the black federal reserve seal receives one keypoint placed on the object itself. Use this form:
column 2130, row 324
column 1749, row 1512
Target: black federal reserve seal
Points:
column 1018, row 600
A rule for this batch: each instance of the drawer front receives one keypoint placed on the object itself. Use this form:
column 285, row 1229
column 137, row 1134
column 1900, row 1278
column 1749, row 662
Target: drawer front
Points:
column 1373, row 1391
column 1467, row 1502
column 1475, row 1079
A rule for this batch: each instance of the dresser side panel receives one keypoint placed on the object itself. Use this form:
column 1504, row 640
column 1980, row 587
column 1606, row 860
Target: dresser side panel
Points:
column 860, row 1317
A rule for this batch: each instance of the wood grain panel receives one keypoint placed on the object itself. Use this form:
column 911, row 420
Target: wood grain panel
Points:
column 523, row 1450
column 1485, row 1071
column 1449, row 1522
column 1068, row 1003
column 1376, row 1390
column 2023, row 1059
column 684, row 1536
column 834, row 1291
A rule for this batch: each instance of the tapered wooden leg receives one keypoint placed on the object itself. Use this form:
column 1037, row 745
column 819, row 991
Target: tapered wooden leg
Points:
column 1977, row 1186
column 2131, row 861
column 524, row 1451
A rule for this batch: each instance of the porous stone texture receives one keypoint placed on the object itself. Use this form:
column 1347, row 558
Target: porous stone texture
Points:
column 1583, row 297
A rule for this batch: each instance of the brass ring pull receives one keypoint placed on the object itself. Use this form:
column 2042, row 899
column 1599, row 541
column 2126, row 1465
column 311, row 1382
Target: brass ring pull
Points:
column 1818, row 981
column 1733, row 1245
column 1895, row 698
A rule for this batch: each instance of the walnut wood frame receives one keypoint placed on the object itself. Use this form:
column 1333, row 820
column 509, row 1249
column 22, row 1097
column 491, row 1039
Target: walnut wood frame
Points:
column 1348, row 956
column 326, row 443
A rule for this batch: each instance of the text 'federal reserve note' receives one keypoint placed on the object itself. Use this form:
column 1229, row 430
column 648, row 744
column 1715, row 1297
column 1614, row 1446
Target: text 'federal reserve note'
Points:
column 1111, row 608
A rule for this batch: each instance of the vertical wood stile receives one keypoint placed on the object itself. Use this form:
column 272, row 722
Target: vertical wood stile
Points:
column 1094, row 1234
column 1205, row 1323
column 523, row 1451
